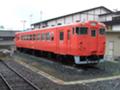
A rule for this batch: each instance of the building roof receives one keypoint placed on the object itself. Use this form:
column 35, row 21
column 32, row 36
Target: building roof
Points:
column 113, row 22
column 74, row 13
column 9, row 31
column 4, row 33
column 113, row 32
column 106, row 14
column 115, row 13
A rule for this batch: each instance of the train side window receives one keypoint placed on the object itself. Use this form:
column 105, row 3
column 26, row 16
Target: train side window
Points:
column 30, row 37
column 93, row 33
column 26, row 37
column 43, row 36
column 61, row 35
column 48, row 36
column 39, row 36
column 52, row 36
column 68, row 34
column 22, row 37
column 34, row 36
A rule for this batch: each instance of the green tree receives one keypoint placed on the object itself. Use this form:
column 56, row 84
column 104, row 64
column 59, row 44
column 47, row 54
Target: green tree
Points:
column 2, row 27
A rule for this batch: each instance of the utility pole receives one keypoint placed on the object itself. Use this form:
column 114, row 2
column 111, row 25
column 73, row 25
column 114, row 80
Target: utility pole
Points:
column 41, row 13
column 23, row 22
column 31, row 21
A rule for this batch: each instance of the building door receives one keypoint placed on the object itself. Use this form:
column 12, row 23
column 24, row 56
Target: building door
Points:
column 110, row 48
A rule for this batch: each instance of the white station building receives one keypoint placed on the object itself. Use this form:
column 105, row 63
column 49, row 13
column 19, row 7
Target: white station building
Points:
column 101, row 14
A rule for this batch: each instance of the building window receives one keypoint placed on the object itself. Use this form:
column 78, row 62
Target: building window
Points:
column 102, row 31
column 61, row 35
column 6, row 38
column 109, row 28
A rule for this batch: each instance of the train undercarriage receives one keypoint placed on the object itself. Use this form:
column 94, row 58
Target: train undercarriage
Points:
column 93, row 59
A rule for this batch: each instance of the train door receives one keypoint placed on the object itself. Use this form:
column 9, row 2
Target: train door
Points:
column 110, row 48
column 94, row 41
column 61, row 41
column 68, row 40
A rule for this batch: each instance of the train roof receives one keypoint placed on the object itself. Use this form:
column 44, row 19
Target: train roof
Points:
column 77, row 23
column 65, row 25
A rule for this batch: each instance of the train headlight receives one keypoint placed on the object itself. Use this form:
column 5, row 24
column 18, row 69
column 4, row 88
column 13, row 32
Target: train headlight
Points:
column 93, row 23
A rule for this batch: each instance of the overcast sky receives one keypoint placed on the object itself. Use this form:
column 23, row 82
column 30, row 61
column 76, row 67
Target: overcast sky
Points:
column 13, row 12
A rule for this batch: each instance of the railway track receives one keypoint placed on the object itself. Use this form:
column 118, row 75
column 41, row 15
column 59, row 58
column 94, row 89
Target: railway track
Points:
column 4, row 84
column 12, row 80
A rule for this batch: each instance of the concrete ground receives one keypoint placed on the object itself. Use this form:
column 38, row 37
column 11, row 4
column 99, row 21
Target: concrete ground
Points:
column 55, row 76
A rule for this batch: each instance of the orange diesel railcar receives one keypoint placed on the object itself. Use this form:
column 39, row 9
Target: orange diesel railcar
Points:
column 84, row 42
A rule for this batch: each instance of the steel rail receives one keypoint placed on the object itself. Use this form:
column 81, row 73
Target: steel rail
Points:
column 7, row 84
column 28, row 81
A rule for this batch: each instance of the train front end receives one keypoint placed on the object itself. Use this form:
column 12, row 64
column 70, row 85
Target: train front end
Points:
column 91, row 43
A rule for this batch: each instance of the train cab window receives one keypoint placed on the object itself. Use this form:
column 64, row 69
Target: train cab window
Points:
column 102, row 31
column 93, row 33
column 81, row 30
column 77, row 30
column 61, row 35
